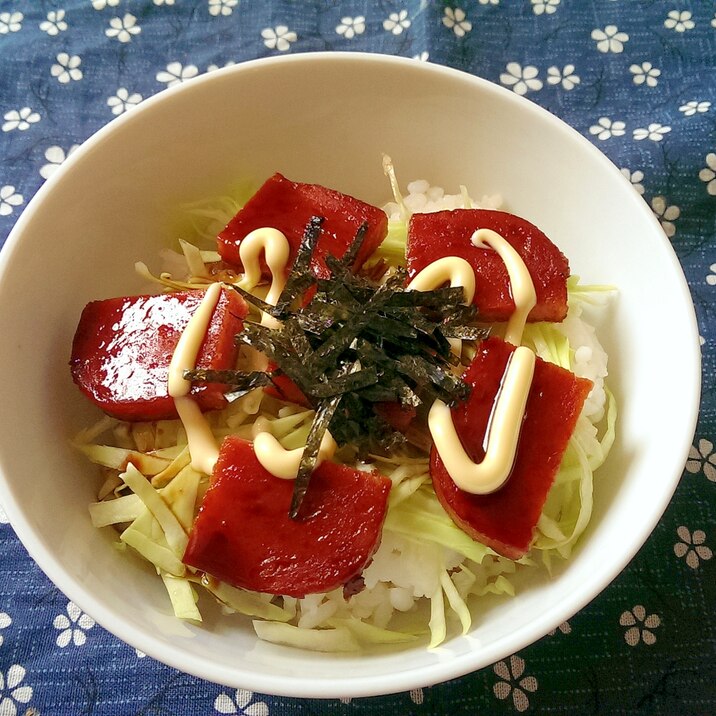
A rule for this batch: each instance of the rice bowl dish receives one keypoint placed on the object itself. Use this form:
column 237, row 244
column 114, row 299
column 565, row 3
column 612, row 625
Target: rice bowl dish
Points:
column 84, row 563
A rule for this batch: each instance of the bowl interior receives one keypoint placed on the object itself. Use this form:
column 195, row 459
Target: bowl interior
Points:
column 113, row 203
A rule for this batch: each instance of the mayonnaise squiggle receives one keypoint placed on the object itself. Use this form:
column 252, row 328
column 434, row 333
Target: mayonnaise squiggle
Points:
column 275, row 248
column 521, row 286
column 202, row 445
column 504, row 428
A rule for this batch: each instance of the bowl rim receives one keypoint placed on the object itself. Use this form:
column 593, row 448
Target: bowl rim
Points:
column 376, row 684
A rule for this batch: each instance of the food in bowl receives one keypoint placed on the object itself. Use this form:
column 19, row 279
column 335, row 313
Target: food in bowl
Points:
column 309, row 426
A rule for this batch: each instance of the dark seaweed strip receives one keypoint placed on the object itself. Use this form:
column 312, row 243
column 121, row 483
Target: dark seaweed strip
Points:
column 388, row 327
column 412, row 317
column 324, row 414
column 293, row 336
column 270, row 343
column 301, row 277
column 235, row 378
column 459, row 313
column 465, row 333
column 346, row 383
column 443, row 383
column 274, row 311
column 438, row 298
column 348, row 259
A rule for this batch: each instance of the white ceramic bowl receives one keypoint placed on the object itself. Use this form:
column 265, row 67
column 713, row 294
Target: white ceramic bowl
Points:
column 327, row 118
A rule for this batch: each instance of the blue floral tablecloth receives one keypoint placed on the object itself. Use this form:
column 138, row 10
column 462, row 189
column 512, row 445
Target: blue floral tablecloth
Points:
column 636, row 77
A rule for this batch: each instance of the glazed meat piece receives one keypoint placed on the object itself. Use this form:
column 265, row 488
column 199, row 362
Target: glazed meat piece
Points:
column 123, row 347
column 244, row 536
column 288, row 206
column 448, row 233
column 505, row 519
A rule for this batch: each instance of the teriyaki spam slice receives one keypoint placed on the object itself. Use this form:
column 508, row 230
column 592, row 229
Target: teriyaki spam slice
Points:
column 288, row 206
column 505, row 520
column 243, row 534
column 123, row 347
column 448, row 233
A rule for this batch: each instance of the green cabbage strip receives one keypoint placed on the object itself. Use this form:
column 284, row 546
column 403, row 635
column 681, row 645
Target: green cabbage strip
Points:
column 421, row 517
column 338, row 639
column 392, row 250
column 204, row 219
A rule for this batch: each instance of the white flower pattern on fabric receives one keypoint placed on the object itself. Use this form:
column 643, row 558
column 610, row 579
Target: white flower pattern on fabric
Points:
column 240, row 703
column 513, row 682
column 666, row 214
column 55, row 23
column 55, row 157
column 645, row 74
column 563, row 628
column 423, row 56
column 640, row 625
column 702, row 456
column 20, row 119
column 635, row 177
column 565, row 77
column 10, row 22
column 176, row 73
column 548, row 7
column 67, row 68
column 456, row 20
column 212, row 68
column 5, row 622
column 417, row 696
column 679, row 21
column 278, row 38
column 102, row 4
column 349, row 27
column 694, row 106
column 11, row 690
column 708, row 173
column 222, row 7
column 123, row 28
column 396, row 22
column 691, row 547
column 606, row 128
column 9, row 199
column 711, row 278
column 122, row 101
column 72, row 626
column 163, row 2
column 522, row 80
column 489, row 2
column 610, row 39
column 655, row 132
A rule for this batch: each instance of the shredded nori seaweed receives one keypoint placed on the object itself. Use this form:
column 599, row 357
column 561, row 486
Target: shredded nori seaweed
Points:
column 351, row 342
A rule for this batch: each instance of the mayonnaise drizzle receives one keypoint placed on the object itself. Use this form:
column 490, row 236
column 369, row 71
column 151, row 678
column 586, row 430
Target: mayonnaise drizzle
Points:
column 505, row 422
column 202, row 445
column 503, row 431
column 275, row 248
column 521, row 286
column 285, row 463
